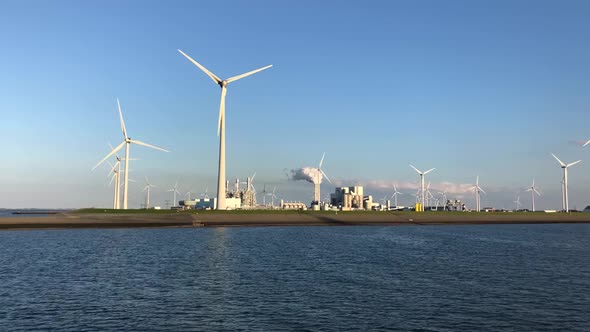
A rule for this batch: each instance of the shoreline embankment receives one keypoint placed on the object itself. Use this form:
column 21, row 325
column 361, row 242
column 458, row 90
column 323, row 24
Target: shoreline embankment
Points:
column 261, row 219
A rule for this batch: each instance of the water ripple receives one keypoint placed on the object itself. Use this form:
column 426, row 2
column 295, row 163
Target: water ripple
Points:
column 465, row 278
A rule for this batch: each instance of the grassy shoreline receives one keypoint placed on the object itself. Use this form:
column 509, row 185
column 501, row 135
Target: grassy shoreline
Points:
column 107, row 218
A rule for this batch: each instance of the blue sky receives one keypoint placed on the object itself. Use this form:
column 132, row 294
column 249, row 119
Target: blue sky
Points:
column 486, row 88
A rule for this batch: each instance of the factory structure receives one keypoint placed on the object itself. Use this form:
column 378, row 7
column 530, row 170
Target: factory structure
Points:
column 351, row 198
column 237, row 197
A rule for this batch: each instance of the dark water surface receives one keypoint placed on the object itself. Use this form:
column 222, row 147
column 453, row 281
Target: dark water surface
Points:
column 435, row 278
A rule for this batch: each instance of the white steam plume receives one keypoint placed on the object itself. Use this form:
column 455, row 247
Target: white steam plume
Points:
column 309, row 174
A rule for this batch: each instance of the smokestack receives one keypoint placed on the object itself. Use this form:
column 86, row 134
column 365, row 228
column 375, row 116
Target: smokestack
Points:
column 316, row 192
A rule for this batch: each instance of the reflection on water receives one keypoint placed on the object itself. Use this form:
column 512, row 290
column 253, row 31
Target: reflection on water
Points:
column 464, row 278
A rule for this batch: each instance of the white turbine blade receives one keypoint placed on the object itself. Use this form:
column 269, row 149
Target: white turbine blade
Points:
column 483, row 191
column 325, row 175
column 471, row 188
column 110, row 146
column 112, row 167
column 538, row 193
column 572, row 164
column 252, row 178
column 235, row 78
column 586, row 143
column 215, row 79
column 428, row 171
column 322, row 160
column 121, row 118
column 417, row 170
column 110, row 154
column 530, row 189
column 148, row 145
column 221, row 109
column 560, row 162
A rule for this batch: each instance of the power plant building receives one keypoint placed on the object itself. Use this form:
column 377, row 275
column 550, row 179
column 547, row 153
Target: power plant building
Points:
column 348, row 197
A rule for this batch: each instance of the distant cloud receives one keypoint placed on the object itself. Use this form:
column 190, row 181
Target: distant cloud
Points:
column 387, row 185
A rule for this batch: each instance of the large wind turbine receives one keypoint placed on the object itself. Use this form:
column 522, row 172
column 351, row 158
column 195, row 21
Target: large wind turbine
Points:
column 221, row 124
column 316, row 185
column 533, row 191
column 565, row 167
column 477, row 189
column 126, row 142
column 422, row 182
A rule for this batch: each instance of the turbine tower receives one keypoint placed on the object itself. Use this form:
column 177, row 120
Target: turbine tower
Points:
column 422, row 182
column 443, row 195
column 394, row 195
column 517, row 203
column 565, row 167
column 477, row 189
column 533, row 191
column 221, row 191
column 126, row 142
column 316, row 184
column 175, row 191
column 148, row 187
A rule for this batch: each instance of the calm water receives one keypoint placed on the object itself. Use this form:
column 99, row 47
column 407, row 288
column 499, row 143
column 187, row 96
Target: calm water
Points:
column 447, row 278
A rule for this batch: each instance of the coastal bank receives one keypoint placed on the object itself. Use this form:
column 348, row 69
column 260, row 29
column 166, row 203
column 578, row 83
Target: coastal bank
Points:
column 94, row 218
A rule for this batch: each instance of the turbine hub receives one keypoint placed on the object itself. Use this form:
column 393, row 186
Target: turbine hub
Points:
column 223, row 83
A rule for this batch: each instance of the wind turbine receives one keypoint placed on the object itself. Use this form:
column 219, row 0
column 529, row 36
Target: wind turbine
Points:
column 188, row 193
column 429, row 195
column 116, row 170
column 221, row 124
column 422, row 182
column 148, row 187
column 272, row 197
column 477, row 189
column 205, row 195
column 264, row 193
column 384, row 201
column 517, row 202
column 394, row 195
column 175, row 191
column 126, row 142
column 533, row 191
column 316, row 185
column 444, row 198
column 565, row 167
